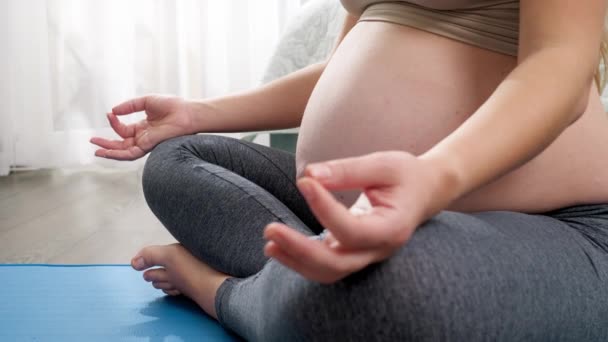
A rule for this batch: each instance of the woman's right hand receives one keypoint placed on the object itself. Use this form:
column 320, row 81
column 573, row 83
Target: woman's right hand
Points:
column 166, row 117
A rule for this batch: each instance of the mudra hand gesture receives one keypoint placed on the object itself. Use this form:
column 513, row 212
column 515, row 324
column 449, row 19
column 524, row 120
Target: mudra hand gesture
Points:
column 403, row 191
column 166, row 117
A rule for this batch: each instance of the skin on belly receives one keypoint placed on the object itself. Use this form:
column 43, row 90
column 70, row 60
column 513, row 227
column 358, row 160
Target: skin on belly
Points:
column 391, row 87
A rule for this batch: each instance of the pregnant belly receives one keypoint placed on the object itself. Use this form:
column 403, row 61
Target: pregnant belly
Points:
column 391, row 87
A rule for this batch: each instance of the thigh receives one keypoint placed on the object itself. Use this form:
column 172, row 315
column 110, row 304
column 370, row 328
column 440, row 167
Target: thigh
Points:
column 489, row 276
column 503, row 276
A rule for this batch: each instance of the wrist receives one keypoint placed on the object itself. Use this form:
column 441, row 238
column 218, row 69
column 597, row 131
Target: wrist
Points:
column 203, row 116
column 447, row 175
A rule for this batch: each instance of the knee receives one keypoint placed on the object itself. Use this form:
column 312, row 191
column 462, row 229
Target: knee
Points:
column 163, row 163
column 160, row 165
column 171, row 151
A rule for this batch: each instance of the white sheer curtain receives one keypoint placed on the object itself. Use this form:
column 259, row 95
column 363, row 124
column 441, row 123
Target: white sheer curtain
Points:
column 64, row 63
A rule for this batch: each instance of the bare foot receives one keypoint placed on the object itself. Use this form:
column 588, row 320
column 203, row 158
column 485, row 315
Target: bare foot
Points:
column 180, row 273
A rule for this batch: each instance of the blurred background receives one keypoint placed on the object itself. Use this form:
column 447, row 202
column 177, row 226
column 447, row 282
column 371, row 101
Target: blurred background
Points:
column 65, row 63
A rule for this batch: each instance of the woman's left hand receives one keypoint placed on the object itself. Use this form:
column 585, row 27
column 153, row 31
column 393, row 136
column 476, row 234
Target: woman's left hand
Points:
column 403, row 191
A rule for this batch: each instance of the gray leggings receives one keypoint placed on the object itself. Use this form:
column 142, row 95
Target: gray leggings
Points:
column 486, row 276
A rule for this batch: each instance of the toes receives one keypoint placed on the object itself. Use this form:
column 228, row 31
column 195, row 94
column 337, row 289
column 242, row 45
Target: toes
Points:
column 163, row 285
column 156, row 275
column 151, row 256
column 172, row 292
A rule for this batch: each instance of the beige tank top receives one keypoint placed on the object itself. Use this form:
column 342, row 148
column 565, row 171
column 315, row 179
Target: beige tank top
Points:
column 489, row 24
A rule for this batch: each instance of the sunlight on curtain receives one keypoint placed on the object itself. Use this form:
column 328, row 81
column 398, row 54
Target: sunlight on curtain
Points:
column 67, row 62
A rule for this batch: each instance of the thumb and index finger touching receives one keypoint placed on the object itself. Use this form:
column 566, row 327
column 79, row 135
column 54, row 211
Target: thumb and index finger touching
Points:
column 369, row 171
column 372, row 170
column 117, row 149
column 131, row 106
column 127, row 107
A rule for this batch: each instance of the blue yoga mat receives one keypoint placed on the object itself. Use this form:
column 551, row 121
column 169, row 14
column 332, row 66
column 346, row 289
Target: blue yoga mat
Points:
column 95, row 303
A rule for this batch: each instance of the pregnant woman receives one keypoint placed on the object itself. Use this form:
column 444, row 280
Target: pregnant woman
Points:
column 450, row 182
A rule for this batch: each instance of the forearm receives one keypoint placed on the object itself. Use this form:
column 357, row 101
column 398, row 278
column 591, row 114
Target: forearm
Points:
column 277, row 105
column 531, row 108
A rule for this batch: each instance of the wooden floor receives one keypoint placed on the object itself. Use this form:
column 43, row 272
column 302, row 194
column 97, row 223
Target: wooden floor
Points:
column 85, row 216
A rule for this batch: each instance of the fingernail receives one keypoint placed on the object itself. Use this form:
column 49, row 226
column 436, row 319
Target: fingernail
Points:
column 267, row 235
column 307, row 190
column 320, row 171
column 139, row 262
column 266, row 249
